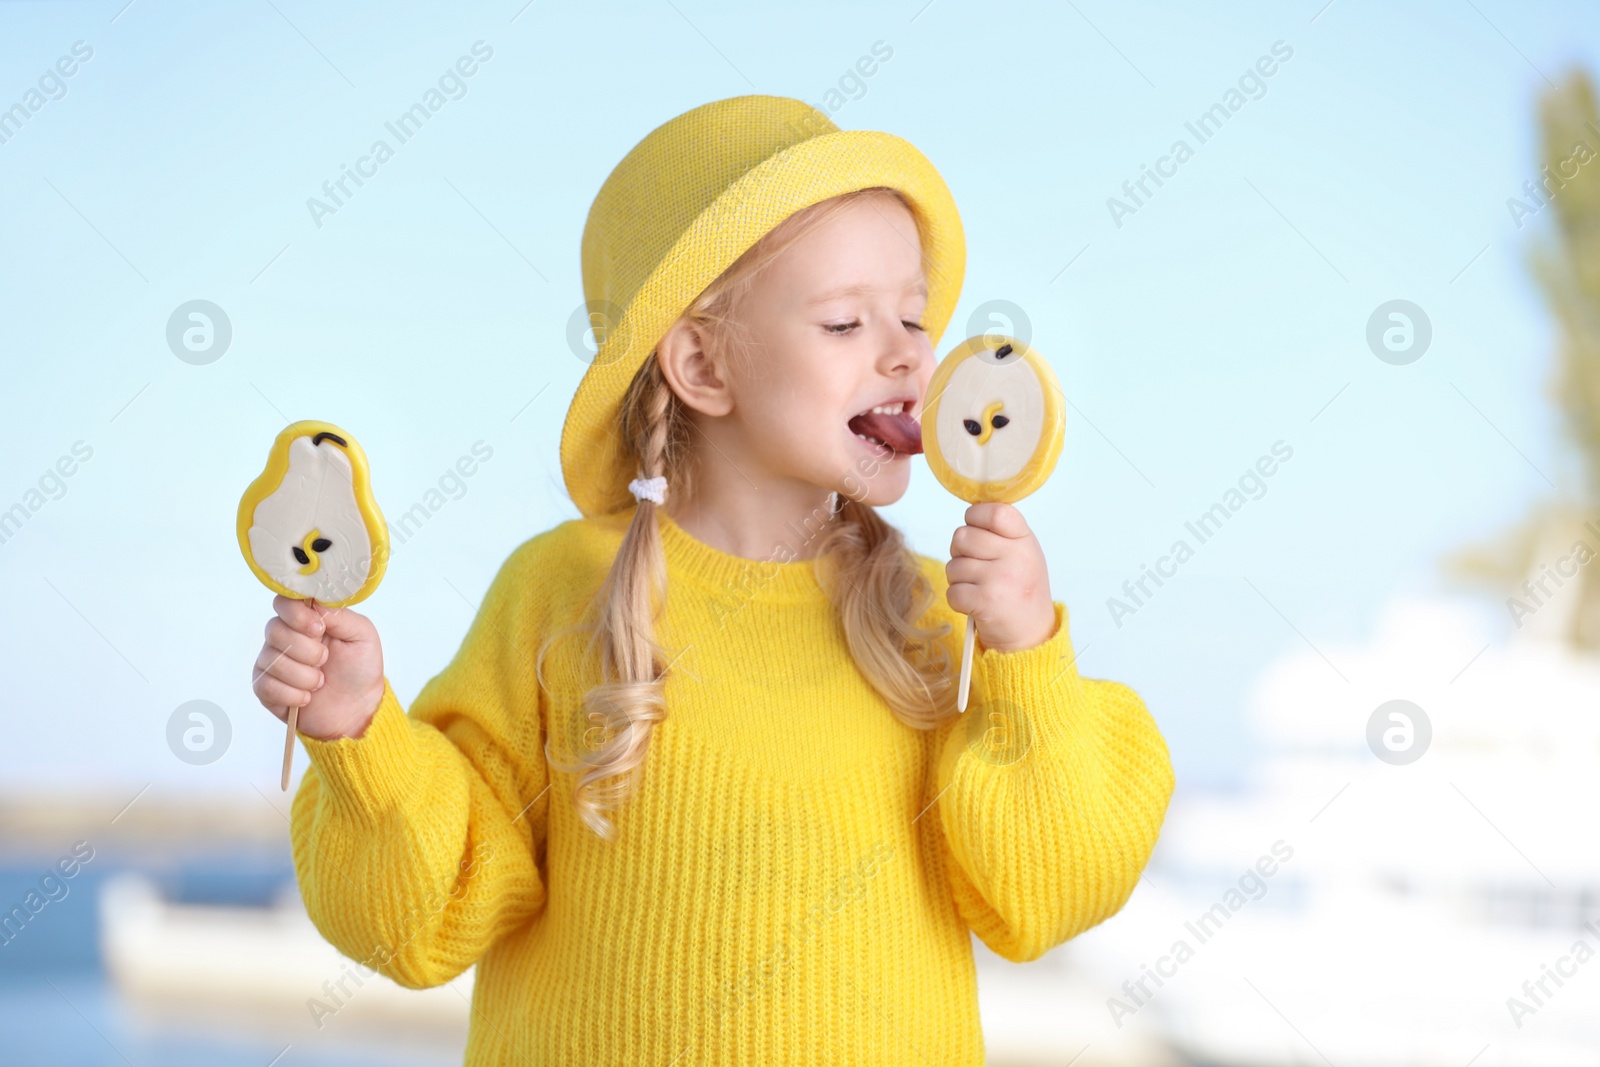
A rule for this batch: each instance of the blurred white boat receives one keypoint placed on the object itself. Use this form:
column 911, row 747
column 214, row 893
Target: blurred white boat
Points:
column 267, row 969
column 1443, row 911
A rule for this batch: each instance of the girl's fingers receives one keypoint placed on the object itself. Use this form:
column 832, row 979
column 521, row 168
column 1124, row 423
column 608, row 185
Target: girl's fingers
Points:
column 282, row 637
column 967, row 569
column 342, row 623
column 1002, row 518
column 278, row 696
column 279, row 665
column 962, row 597
column 298, row 615
column 976, row 542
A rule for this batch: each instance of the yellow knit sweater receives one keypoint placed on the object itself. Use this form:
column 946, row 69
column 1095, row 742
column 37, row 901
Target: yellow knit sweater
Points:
column 798, row 875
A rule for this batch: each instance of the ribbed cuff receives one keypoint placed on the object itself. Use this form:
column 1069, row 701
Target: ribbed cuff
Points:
column 376, row 772
column 1056, row 649
column 1028, row 685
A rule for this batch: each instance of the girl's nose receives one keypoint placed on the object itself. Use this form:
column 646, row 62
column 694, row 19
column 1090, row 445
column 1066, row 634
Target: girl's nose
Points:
column 903, row 350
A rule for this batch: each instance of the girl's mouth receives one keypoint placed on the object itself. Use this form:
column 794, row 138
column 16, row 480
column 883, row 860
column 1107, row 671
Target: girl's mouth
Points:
column 889, row 426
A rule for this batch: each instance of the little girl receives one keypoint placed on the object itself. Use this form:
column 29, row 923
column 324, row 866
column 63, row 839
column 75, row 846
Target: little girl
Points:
column 694, row 789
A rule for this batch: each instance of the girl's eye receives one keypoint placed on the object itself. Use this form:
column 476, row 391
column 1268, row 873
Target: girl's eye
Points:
column 839, row 329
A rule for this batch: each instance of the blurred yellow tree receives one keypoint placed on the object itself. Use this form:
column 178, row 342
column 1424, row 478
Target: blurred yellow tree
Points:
column 1521, row 563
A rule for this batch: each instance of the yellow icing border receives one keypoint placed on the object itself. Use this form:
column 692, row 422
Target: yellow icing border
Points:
column 1038, row 469
column 268, row 481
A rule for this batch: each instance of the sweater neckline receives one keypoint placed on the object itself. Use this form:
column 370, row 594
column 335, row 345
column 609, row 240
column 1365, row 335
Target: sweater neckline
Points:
column 768, row 580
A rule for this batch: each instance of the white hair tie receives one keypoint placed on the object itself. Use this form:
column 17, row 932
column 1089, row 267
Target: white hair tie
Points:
column 651, row 489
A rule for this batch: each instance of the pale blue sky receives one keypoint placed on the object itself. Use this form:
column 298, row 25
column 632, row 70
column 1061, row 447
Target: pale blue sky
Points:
column 427, row 312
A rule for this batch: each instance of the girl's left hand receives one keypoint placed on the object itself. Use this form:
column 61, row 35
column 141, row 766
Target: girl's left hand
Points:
column 997, row 575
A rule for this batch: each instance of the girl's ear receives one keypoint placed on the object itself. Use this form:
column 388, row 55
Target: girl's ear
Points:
column 692, row 371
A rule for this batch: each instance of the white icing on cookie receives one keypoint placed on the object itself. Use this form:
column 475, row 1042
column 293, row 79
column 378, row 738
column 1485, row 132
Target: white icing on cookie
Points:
column 317, row 495
column 975, row 385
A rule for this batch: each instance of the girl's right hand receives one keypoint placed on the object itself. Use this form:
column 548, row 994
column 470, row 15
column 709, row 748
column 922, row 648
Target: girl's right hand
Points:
column 325, row 661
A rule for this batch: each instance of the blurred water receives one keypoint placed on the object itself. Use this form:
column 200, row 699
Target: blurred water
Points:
column 58, row 1006
column 75, row 1017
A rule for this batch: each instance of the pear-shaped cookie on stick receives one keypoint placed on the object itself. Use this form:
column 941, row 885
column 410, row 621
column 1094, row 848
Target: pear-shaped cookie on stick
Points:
column 992, row 430
column 309, row 527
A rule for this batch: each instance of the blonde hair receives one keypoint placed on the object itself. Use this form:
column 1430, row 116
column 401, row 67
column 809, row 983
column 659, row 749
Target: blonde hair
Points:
column 862, row 562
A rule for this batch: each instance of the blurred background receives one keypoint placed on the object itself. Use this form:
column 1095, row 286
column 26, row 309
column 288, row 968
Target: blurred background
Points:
column 1355, row 245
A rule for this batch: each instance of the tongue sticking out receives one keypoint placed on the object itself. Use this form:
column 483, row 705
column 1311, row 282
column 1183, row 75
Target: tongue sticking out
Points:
column 900, row 432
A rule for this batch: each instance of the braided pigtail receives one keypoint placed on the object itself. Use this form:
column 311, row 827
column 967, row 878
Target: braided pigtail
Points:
column 628, row 703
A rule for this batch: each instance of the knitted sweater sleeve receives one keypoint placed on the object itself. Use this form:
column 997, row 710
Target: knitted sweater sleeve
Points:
column 419, row 843
column 1050, row 790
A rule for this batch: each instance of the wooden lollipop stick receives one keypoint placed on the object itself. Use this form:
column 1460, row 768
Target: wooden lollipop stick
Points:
column 288, row 746
column 966, row 668
column 294, row 725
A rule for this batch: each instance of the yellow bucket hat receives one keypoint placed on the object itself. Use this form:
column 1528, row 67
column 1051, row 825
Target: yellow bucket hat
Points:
column 686, row 202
